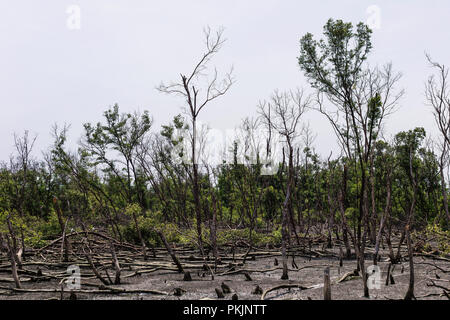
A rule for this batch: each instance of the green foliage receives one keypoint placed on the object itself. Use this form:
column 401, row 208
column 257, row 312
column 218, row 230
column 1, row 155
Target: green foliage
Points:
column 31, row 227
column 332, row 64
column 34, row 237
column 49, row 228
column 189, row 236
column 258, row 238
column 351, row 214
column 442, row 238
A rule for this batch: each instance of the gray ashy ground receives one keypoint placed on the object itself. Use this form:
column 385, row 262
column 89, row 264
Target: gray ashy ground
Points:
column 309, row 273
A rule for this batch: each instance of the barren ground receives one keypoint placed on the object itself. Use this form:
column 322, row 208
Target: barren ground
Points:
column 159, row 274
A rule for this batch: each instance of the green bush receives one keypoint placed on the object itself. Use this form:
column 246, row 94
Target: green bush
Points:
column 258, row 238
column 49, row 229
column 442, row 237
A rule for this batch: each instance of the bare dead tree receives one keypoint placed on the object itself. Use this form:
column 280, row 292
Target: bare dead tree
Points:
column 249, row 143
column 308, row 138
column 437, row 94
column 282, row 112
column 24, row 146
column 197, row 96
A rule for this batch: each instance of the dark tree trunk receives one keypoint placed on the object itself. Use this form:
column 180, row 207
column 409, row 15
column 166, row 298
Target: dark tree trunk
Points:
column 410, row 293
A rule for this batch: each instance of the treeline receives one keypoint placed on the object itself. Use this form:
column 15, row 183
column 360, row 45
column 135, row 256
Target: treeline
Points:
column 127, row 180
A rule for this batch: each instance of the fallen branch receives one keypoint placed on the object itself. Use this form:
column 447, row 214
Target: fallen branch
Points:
column 285, row 286
column 101, row 290
column 349, row 276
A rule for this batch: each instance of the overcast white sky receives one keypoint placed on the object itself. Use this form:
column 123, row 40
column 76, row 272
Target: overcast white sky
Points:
column 52, row 74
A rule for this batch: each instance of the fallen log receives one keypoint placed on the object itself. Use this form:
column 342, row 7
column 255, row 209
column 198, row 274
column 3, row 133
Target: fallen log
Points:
column 284, row 286
column 349, row 276
column 12, row 280
column 101, row 290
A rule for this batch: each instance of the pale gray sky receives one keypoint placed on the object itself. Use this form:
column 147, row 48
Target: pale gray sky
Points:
column 52, row 74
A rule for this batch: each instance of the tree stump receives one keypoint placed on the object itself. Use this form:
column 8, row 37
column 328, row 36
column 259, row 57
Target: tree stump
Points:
column 225, row 288
column 177, row 292
column 187, row 276
column 257, row 290
column 326, row 284
column 219, row 293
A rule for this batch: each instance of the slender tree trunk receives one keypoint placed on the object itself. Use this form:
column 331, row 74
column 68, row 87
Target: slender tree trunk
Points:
column 285, row 217
column 361, row 248
column 348, row 247
column 12, row 260
column 13, row 244
column 115, row 262
column 62, row 225
column 362, row 263
column 398, row 256
column 284, row 234
column 196, row 189
column 213, row 228
column 344, row 204
column 389, row 243
column 383, row 219
column 444, row 192
column 326, row 284
column 410, row 293
column 373, row 218
column 284, row 241
column 139, row 233
column 171, row 252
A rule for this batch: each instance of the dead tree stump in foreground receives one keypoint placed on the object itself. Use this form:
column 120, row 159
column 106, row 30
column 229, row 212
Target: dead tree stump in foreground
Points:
column 326, row 284
column 187, row 276
column 219, row 293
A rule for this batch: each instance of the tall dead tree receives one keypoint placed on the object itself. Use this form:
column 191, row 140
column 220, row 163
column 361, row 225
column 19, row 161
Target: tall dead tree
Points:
column 282, row 112
column 197, row 96
column 438, row 97
column 249, row 146
column 21, row 164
